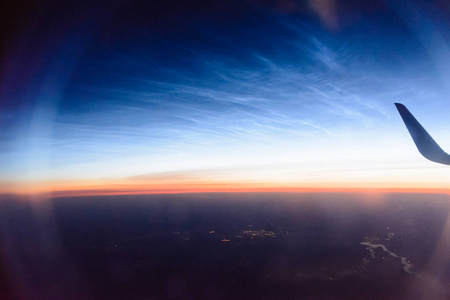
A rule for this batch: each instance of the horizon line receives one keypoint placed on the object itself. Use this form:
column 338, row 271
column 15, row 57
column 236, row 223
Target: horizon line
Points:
column 229, row 190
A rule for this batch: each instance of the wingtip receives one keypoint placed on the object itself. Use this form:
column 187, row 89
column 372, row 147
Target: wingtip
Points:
column 426, row 145
column 402, row 109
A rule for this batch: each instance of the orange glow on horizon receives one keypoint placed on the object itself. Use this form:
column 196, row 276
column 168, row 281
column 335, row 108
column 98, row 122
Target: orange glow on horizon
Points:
column 97, row 188
column 82, row 193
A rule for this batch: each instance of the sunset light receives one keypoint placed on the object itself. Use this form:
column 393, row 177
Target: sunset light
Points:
column 225, row 149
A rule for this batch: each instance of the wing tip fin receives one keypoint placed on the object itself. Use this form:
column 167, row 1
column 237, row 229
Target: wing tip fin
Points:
column 423, row 140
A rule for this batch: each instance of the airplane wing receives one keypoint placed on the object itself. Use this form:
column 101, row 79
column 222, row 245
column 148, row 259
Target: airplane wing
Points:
column 424, row 142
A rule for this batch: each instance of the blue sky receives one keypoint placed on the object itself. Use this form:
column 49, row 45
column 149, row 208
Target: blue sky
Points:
column 240, row 91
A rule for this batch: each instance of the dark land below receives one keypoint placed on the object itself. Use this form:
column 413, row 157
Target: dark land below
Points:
column 225, row 246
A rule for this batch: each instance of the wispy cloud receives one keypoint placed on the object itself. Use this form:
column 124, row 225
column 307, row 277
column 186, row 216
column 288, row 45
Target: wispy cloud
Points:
column 264, row 90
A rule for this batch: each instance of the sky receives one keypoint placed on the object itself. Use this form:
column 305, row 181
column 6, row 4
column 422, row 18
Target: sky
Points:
column 141, row 97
